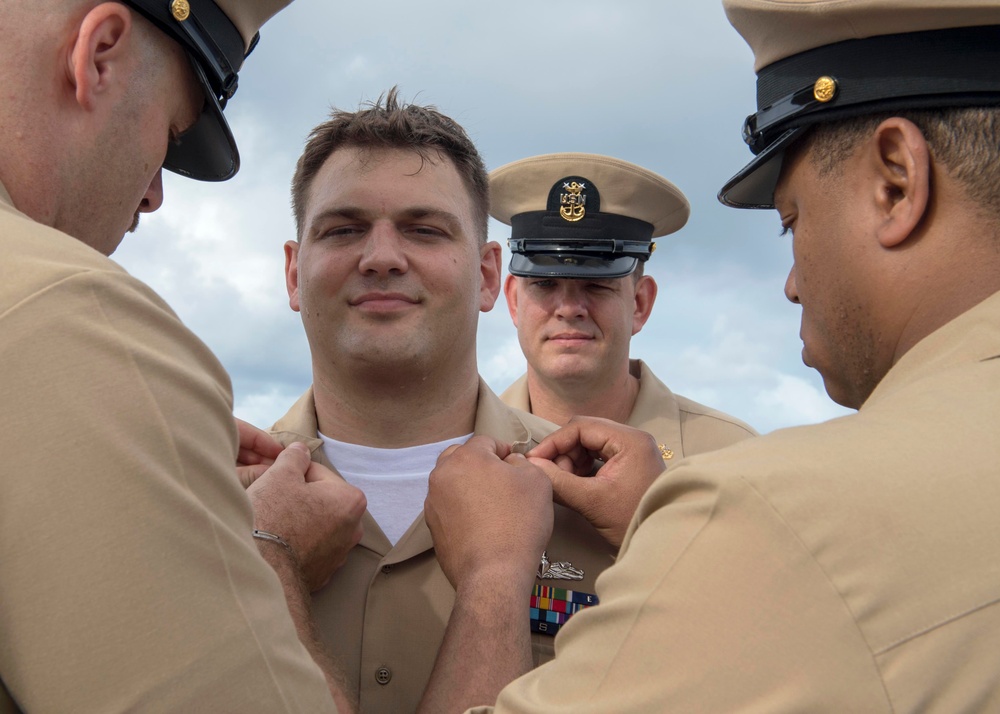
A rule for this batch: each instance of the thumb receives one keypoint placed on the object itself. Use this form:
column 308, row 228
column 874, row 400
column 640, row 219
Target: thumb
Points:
column 292, row 463
column 568, row 489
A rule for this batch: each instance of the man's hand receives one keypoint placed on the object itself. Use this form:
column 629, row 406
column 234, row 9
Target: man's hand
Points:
column 607, row 499
column 257, row 452
column 315, row 511
column 489, row 512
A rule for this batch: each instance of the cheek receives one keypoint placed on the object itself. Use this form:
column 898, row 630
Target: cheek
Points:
column 529, row 320
column 319, row 278
column 612, row 317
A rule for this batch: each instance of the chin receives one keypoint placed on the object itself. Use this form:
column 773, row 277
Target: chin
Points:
column 569, row 371
column 839, row 394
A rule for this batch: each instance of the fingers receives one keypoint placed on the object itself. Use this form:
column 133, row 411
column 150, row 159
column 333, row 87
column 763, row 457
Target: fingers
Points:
column 318, row 472
column 482, row 444
column 256, row 445
column 292, row 463
column 248, row 474
column 515, row 459
column 568, row 489
column 585, row 437
column 565, row 462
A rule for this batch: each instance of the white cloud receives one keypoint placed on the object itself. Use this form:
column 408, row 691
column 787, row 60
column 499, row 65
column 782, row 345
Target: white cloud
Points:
column 800, row 400
column 359, row 65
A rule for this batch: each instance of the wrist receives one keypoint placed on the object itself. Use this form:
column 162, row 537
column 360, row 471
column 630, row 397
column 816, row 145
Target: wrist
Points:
column 496, row 578
column 277, row 551
column 273, row 538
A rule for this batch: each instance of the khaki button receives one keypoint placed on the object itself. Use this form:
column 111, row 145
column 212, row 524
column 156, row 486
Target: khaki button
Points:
column 386, row 569
column 383, row 675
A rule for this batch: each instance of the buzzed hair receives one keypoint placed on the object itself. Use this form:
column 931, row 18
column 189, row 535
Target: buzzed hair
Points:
column 966, row 140
column 388, row 123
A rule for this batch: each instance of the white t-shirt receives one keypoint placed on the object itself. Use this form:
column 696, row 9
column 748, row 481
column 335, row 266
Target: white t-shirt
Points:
column 393, row 480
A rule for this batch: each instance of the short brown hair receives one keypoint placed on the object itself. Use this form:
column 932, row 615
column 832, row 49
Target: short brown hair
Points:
column 388, row 123
column 965, row 140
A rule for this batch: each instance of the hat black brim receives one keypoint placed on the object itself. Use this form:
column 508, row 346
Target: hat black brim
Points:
column 207, row 151
column 753, row 186
column 569, row 265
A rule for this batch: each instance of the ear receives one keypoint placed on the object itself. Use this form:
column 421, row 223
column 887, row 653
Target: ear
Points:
column 292, row 273
column 902, row 162
column 96, row 60
column 645, row 296
column 510, row 292
column 489, row 268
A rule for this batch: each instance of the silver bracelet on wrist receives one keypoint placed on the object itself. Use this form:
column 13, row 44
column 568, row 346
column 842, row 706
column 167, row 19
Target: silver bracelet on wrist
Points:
column 264, row 535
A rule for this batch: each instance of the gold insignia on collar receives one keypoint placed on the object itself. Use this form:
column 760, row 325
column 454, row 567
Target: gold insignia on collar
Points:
column 180, row 9
column 666, row 453
column 825, row 89
column 573, row 201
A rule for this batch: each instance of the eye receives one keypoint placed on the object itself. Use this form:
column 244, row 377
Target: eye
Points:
column 543, row 284
column 426, row 231
column 347, row 231
column 787, row 226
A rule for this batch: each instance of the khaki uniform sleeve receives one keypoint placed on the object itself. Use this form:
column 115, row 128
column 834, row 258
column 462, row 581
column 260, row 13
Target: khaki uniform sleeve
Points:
column 714, row 606
column 129, row 577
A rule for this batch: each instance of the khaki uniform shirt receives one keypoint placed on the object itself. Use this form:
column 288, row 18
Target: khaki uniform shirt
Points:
column 682, row 425
column 384, row 613
column 128, row 577
column 851, row 566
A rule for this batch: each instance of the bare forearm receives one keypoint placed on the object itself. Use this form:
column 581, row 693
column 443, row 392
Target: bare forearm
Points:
column 487, row 645
column 299, row 606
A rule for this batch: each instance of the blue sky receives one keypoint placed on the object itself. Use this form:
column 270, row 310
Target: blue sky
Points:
column 665, row 85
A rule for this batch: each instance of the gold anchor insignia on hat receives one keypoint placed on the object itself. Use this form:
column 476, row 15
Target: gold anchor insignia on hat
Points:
column 563, row 570
column 825, row 89
column 180, row 9
column 573, row 201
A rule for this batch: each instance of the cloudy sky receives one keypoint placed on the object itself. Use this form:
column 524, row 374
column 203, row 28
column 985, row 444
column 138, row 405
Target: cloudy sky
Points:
column 662, row 84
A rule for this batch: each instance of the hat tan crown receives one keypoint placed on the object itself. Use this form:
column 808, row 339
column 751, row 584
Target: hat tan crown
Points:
column 625, row 188
column 776, row 29
column 248, row 16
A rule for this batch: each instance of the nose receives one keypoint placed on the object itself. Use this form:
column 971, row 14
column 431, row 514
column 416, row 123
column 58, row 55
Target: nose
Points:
column 791, row 289
column 153, row 197
column 383, row 250
column 571, row 301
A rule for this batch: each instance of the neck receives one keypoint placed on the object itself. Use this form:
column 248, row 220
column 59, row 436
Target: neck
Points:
column 393, row 411
column 938, row 306
column 559, row 401
column 931, row 295
column 33, row 113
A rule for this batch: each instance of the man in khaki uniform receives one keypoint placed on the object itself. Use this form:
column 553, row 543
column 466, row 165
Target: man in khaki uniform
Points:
column 581, row 231
column 130, row 579
column 389, row 273
column 852, row 566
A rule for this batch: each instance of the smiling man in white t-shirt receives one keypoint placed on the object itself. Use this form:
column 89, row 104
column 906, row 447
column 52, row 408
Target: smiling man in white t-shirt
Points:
column 389, row 272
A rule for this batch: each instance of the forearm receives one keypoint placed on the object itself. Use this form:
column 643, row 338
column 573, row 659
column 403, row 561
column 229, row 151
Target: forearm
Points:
column 299, row 606
column 486, row 646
